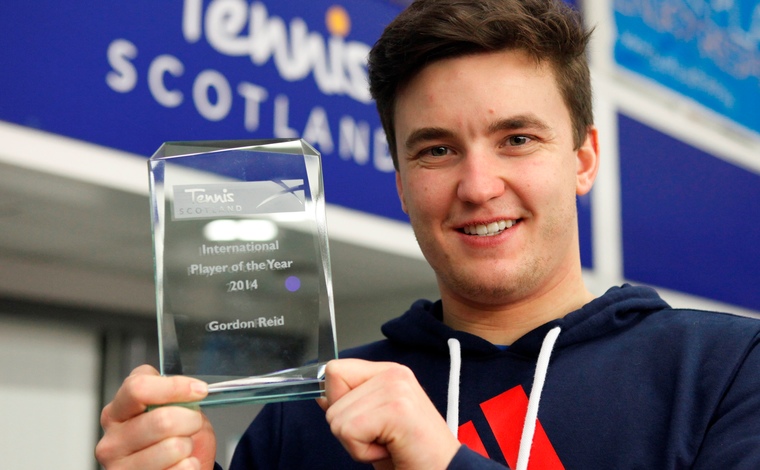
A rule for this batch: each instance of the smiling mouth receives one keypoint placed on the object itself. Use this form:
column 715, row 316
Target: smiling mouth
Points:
column 488, row 230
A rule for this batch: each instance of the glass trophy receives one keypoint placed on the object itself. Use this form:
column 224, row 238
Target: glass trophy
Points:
column 242, row 267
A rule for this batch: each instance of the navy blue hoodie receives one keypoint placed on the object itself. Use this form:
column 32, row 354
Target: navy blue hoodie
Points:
column 631, row 383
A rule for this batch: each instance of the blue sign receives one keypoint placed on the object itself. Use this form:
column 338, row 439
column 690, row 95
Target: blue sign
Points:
column 706, row 50
column 132, row 75
column 690, row 220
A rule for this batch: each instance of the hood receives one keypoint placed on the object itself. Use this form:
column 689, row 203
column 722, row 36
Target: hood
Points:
column 620, row 307
column 422, row 327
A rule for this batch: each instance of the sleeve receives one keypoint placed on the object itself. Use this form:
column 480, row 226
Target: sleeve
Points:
column 466, row 459
column 733, row 438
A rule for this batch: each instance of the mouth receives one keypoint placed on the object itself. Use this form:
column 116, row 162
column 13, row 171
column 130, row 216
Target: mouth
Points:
column 490, row 229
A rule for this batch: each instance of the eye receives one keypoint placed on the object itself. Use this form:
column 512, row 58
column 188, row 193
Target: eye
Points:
column 518, row 140
column 435, row 152
column 439, row 151
column 435, row 155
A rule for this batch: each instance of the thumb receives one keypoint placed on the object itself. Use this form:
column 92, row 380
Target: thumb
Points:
column 322, row 402
column 344, row 375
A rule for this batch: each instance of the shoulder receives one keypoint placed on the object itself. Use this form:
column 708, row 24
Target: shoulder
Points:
column 708, row 323
column 701, row 329
column 710, row 341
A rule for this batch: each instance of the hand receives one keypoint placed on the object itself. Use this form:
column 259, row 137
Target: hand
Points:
column 381, row 415
column 169, row 437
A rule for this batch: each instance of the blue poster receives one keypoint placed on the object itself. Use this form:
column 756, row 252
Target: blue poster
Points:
column 132, row 75
column 689, row 219
column 706, row 50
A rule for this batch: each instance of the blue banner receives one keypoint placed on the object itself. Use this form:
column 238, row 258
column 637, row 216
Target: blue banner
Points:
column 689, row 219
column 706, row 50
column 132, row 75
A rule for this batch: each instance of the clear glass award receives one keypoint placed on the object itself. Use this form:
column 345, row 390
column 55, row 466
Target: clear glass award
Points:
column 242, row 266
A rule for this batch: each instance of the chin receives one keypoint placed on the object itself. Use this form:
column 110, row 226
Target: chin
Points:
column 497, row 287
column 485, row 292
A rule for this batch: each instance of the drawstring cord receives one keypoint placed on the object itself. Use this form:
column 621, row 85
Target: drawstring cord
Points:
column 529, row 428
column 531, row 416
column 452, row 407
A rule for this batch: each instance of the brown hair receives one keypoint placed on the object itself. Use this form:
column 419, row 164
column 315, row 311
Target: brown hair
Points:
column 431, row 30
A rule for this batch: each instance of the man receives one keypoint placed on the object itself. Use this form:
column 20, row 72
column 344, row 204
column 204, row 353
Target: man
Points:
column 487, row 109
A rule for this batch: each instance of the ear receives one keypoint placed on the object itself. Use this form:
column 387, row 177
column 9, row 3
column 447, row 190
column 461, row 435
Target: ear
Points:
column 400, row 190
column 587, row 161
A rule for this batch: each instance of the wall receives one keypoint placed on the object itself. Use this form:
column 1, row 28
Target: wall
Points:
column 49, row 394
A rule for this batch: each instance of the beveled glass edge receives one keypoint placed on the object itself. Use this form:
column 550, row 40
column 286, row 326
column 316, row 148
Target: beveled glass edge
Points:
column 177, row 149
column 303, row 390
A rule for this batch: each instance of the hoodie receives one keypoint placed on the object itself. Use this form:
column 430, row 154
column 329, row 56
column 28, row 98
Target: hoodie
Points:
column 624, row 382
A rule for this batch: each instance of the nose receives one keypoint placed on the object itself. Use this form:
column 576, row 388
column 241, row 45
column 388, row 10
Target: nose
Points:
column 480, row 178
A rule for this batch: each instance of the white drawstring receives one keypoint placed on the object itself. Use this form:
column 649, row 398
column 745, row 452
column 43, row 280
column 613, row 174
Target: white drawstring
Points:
column 531, row 416
column 529, row 428
column 452, row 407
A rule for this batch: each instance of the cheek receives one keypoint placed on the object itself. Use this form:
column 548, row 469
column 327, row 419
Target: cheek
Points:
column 547, row 188
column 417, row 205
column 562, row 177
column 562, row 200
column 420, row 195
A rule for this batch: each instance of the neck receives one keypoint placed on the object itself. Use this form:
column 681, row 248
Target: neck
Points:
column 502, row 322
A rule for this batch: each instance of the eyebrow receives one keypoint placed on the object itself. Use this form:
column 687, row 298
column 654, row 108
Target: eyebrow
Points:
column 426, row 133
column 522, row 121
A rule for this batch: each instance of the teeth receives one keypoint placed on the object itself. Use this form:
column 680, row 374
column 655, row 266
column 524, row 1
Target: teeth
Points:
column 488, row 230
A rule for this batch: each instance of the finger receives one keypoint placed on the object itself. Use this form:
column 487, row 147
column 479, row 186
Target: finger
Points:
column 381, row 384
column 367, row 453
column 356, row 390
column 344, row 375
column 144, row 369
column 147, row 430
column 360, row 442
column 107, row 414
column 204, row 444
column 362, row 418
column 175, row 452
column 159, row 424
column 323, row 403
column 188, row 464
column 379, row 409
column 144, row 388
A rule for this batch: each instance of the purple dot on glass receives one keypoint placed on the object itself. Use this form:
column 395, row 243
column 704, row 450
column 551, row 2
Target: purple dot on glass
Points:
column 292, row 283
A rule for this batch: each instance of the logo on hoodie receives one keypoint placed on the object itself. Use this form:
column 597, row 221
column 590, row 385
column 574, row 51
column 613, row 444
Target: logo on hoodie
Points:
column 505, row 414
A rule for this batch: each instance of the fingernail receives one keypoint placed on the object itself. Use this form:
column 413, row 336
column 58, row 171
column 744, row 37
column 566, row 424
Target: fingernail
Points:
column 199, row 388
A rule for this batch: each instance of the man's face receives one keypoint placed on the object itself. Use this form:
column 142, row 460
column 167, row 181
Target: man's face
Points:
column 488, row 176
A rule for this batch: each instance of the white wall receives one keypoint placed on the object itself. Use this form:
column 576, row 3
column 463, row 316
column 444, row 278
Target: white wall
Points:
column 48, row 395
